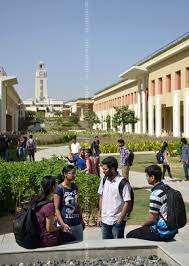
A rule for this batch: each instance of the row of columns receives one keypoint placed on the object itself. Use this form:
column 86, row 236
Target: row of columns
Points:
column 154, row 102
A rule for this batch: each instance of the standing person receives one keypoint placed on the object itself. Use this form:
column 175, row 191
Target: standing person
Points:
column 113, row 208
column 166, row 166
column 68, row 211
column 50, row 235
column 22, row 148
column 185, row 157
column 124, row 158
column 155, row 227
column 88, row 160
column 31, row 148
column 95, row 149
column 75, row 147
column 2, row 147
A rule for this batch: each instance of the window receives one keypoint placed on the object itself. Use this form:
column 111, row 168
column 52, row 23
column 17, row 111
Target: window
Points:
column 153, row 87
column 41, row 81
column 168, row 83
column 187, row 77
column 160, row 86
column 178, row 80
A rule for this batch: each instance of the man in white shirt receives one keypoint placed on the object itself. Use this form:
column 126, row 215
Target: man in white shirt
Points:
column 113, row 207
column 75, row 147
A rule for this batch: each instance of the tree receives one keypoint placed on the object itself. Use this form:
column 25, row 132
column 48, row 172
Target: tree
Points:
column 123, row 116
column 73, row 118
column 91, row 118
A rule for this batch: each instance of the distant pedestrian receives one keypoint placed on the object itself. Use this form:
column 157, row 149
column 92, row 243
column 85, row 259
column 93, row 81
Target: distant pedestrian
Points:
column 88, row 158
column 185, row 157
column 22, row 148
column 124, row 158
column 95, row 150
column 31, row 148
column 75, row 147
column 4, row 147
column 166, row 166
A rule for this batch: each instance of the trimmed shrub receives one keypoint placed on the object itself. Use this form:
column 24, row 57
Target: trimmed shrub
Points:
column 20, row 181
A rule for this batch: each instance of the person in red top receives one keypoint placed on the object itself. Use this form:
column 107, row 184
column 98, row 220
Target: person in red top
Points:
column 50, row 235
column 88, row 161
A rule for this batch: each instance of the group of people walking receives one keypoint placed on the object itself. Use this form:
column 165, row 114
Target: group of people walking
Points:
column 26, row 147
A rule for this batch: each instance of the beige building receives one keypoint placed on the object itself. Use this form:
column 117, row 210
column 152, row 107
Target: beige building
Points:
column 11, row 107
column 81, row 106
column 156, row 89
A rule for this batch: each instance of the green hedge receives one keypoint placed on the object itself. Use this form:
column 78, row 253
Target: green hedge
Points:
column 148, row 145
column 20, row 181
column 53, row 138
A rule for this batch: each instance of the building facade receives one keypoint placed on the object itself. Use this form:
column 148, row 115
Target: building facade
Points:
column 81, row 106
column 11, row 106
column 156, row 89
column 41, row 102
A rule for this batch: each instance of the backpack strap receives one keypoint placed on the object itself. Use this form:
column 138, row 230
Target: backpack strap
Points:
column 122, row 183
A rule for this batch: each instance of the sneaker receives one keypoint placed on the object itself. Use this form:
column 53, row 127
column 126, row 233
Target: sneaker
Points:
column 186, row 179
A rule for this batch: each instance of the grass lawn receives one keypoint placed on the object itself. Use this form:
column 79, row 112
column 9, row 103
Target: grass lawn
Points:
column 141, row 207
column 141, row 161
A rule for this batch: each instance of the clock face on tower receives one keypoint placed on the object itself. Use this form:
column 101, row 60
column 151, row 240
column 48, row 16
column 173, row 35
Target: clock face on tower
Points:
column 40, row 73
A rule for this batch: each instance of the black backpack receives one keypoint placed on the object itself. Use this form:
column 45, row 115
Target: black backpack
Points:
column 159, row 157
column 25, row 226
column 176, row 212
column 131, row 157
column 122, row 183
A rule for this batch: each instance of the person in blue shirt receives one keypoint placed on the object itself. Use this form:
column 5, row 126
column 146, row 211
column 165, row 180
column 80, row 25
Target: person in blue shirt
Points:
column 155, row 227
column 79, row 160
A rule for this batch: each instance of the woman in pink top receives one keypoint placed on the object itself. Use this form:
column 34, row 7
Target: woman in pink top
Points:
column 50, row 235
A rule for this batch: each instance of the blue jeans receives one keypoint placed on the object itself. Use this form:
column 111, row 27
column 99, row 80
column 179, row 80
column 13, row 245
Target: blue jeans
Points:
column 186, row 166
column 77, row 231
column 113, row 231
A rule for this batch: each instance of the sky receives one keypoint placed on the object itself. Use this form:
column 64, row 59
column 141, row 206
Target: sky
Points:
column 118, row 34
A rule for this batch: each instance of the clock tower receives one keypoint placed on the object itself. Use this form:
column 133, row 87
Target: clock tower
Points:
column 41, row 83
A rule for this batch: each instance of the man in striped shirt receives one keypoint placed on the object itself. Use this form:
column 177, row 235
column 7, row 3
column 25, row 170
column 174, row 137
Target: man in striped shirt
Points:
column 155, row 226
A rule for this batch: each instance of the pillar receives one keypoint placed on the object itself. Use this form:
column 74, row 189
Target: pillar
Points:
column 176, row 113
column 158, row 112
column 143, row 92
column 150, row 115
column 2, row 107
column 136, row 114
column 139, row 124
column 186, row 112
